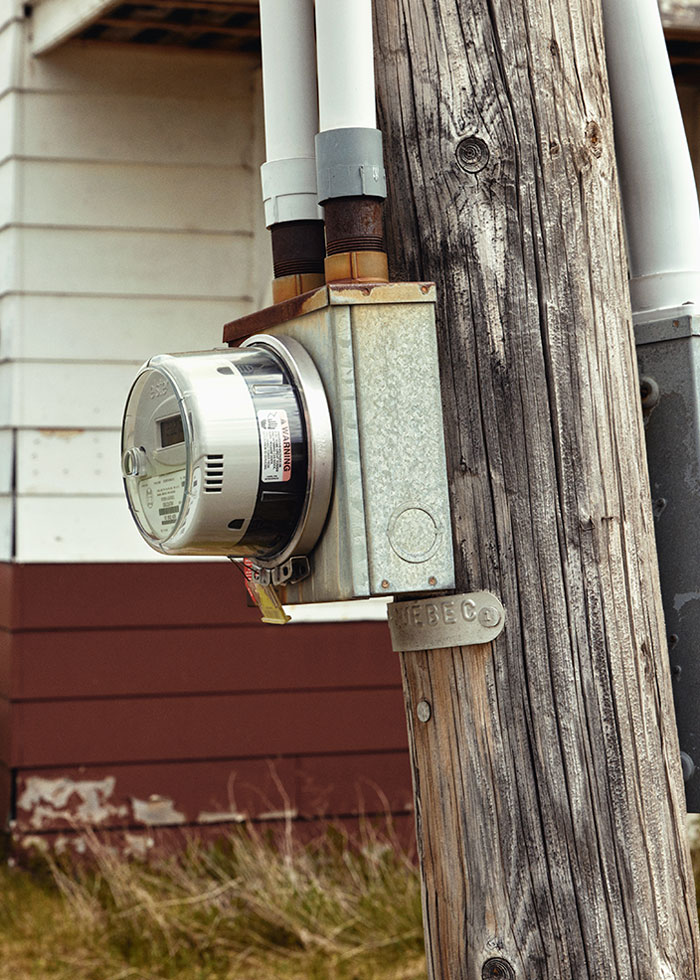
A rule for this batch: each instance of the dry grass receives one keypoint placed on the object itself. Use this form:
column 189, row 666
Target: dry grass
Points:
column 248, row 909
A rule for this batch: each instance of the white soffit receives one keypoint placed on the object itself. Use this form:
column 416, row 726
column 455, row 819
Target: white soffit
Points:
column 55, row 21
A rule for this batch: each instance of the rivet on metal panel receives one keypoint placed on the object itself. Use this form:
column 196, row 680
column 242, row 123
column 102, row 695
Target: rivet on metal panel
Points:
column 423, row 710
column 658, row 507
column 432, row 580
column 489, row 616
column 385, row 584
column 649, row 390
column 650, row 394
column 688, row 767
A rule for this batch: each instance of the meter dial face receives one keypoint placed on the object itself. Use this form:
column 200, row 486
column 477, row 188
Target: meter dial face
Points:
column 154, row 455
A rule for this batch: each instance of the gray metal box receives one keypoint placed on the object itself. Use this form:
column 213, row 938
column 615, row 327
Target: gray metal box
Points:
column 668, row 351
column 388, row 530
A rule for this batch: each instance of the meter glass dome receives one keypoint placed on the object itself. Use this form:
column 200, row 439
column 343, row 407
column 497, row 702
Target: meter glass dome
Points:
column 229, row 452
column 155, row 462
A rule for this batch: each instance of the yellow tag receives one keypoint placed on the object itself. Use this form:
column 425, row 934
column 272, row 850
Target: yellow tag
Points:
column 265, row 597
column 267, row 600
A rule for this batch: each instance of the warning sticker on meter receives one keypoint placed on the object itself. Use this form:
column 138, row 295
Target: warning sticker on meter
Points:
column 275, row 446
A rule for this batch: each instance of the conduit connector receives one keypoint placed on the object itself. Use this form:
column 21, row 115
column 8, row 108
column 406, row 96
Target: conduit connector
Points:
column 297, row 258
column 351, row 188
column 349, row 158
column 294, row 219
column 291, row 119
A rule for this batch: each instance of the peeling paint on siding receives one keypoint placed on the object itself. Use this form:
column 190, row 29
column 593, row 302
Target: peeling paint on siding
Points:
column 32, row 842
column 74, row 800
column 61, row 433
column 233, row 816
column 137, row 845
column 278, row 815
column 156, row 811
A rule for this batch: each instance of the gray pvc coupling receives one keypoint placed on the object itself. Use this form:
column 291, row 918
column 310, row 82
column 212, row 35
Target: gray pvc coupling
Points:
column 289, row 191
column 350, row 163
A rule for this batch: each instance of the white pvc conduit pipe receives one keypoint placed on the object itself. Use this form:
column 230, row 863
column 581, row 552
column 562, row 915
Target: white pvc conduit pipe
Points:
column 659, row 196
column 291, row 110
column 345, row 58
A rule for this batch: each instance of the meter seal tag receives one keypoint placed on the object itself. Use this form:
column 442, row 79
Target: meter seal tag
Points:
column 264, row 596
column 441, row 622
column 275, row 445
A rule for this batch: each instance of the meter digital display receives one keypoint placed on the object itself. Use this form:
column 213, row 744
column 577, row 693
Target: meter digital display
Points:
column 172, row 431
column 229, row 452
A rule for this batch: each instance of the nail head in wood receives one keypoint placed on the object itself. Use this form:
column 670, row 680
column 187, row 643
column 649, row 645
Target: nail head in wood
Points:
column 423, row 710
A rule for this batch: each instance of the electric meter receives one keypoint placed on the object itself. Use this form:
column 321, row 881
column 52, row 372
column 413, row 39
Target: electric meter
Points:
column 230, row 452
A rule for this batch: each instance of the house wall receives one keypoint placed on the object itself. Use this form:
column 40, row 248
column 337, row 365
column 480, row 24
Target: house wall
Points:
column 152, row 694
column 688, row 89
column 135, row 691
column 130, row 192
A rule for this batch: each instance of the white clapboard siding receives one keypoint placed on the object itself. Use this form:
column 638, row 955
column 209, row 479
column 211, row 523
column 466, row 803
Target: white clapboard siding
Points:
column 115, row 328
column 6, row 526
column 9, row 260
column 173, row 73
column 7, row 455
column 132, row 226
column 8, row 186
column 10, row 10
column 67, row 462
column 105, row 195
column 8, row 127
column 10, row 35
column 689, row 103
column 63, row 395
column 81, row 529
column 77, row 529
column 148, row 263
column 140, row 129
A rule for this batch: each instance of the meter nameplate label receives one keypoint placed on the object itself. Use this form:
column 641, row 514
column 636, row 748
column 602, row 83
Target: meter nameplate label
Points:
column 161, row 497
column 275, row 446
column 445, row 621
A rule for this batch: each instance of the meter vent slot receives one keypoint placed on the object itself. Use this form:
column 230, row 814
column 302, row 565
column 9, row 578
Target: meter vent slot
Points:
column 214, row 474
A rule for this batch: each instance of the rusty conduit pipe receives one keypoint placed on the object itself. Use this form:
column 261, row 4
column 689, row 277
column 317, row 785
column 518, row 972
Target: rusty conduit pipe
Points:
column 291, row 120
column 349, row 157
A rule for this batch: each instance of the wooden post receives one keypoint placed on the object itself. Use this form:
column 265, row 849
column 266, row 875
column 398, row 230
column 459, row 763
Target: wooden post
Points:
column 549, row 803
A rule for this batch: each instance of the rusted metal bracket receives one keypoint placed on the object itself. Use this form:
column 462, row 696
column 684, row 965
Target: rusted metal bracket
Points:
column 441, row 622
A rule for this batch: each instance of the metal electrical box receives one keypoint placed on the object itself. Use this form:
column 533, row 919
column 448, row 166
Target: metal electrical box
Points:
column 668, row 352
column 388, row 529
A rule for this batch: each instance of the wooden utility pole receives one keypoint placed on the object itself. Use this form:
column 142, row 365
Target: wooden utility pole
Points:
column 548, row 792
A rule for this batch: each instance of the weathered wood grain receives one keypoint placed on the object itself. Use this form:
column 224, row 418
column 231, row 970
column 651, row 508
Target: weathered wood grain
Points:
column 547, row 780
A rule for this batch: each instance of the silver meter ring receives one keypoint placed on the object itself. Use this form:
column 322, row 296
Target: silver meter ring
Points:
column 319, row 436
column 216, row 453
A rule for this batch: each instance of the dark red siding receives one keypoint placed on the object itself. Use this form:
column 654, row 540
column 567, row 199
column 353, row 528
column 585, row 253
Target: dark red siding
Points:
column 151, row 692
